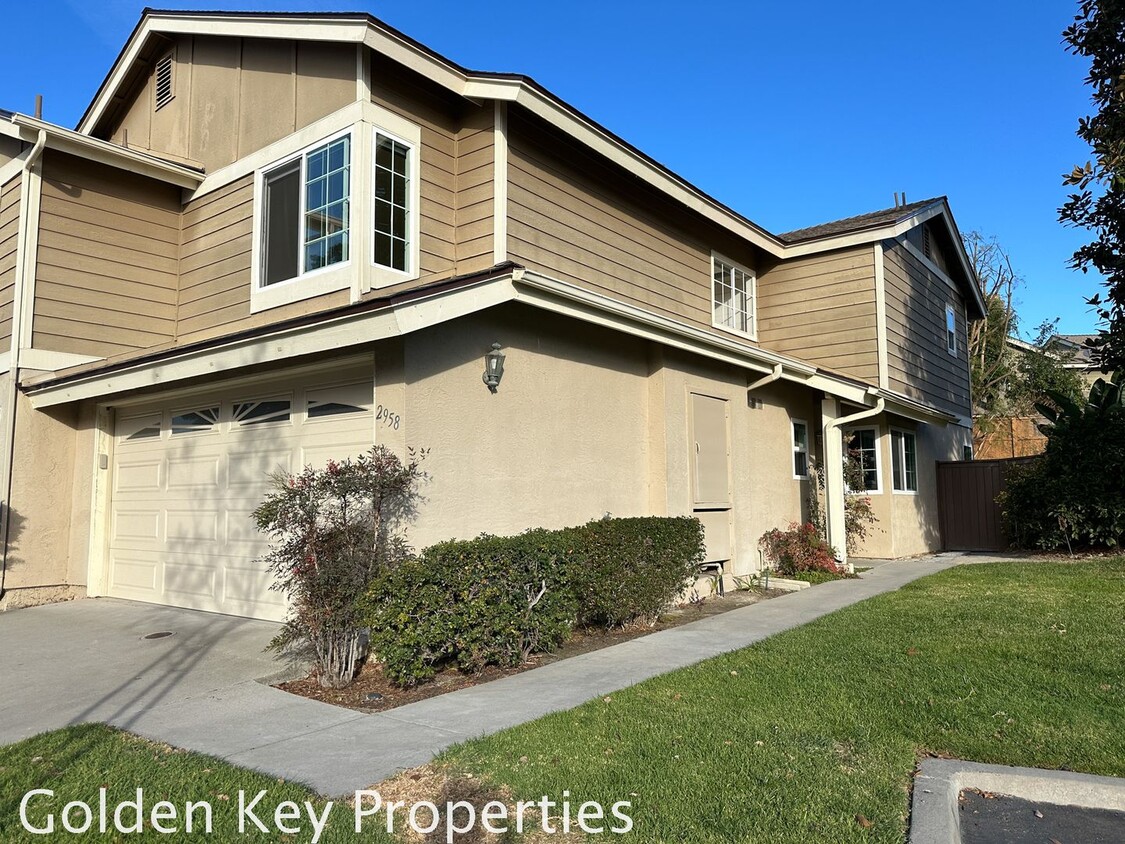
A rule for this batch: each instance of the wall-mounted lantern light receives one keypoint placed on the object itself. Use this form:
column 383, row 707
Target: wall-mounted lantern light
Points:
column 493, row 367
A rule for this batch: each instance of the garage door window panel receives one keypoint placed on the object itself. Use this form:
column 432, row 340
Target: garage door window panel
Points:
column 201, row 421
column 338, row 401
column 262, row 412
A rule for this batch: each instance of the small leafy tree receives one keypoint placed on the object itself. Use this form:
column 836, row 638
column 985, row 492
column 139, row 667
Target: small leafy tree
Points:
column 1098, row 203
column 333, row 532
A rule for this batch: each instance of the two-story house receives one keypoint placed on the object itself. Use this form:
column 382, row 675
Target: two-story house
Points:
column 279, row 238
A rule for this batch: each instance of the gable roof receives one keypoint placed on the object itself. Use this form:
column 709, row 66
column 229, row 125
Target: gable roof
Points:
column 860, row 222
column 363, row 28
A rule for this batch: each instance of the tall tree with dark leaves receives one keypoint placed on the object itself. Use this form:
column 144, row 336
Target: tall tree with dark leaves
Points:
column 1098, row 204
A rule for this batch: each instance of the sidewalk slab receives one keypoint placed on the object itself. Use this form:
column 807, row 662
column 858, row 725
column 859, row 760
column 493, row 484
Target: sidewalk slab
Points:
column 199, row 689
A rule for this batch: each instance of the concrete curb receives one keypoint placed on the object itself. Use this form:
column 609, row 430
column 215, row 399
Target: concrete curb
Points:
column 935, row 811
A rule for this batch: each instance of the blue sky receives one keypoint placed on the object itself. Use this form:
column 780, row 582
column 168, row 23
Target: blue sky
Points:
column 792, row 113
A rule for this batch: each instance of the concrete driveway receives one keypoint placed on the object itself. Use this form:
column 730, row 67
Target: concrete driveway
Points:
column 198, row 689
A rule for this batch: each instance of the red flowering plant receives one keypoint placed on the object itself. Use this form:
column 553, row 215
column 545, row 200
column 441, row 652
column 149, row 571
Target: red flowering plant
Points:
column 333, row 532
column 798, row 549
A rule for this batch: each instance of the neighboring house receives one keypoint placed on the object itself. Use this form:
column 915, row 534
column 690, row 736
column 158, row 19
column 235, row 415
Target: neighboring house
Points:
column 279, row 238
column 1020, row 436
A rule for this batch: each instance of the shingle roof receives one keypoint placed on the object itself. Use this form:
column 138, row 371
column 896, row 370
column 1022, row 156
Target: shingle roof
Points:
column 871, row 220
column 1082, row 352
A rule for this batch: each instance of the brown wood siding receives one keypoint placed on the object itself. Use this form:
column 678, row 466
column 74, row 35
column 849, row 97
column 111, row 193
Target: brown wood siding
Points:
column 577, row 218
column 214, row 294
column 821, row 308
column 9, row 237
column 436, row 113
column 106, row 269
column 919, row 366
column 476, row 153
column 233, row 96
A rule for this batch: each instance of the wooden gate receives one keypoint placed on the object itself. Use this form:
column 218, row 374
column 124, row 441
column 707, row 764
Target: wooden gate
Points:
column 969, row 515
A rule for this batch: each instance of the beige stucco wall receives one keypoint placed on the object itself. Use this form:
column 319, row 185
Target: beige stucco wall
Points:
column 561, row 442
column 907, row 523
column 764, row 493
column 42, row 495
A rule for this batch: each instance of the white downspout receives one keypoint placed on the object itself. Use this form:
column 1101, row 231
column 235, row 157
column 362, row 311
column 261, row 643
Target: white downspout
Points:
column 834, row 477
column 768, row 379
column 19, row 304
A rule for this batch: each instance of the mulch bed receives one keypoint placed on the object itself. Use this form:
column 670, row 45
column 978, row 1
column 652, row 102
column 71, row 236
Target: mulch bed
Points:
column 372, row 681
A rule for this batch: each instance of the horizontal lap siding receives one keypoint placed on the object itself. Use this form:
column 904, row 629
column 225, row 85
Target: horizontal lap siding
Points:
column 106, row 270
column 9, row 236
column 436, row 114
column 476, row 154
column 919, row 364
column 822, row 308
column 575, row 218
column 217, row 235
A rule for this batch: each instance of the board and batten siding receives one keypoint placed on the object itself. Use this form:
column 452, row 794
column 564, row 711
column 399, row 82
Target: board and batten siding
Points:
column 107, row 261
column 9, row 237
column 821, row 308
column 232, row 96
column 919, row 365
column 576, row 218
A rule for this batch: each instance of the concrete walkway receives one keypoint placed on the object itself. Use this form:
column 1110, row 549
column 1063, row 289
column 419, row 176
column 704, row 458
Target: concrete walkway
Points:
column 197, row 689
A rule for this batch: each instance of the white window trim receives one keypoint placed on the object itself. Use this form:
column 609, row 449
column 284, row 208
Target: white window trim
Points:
column 950, row 312
column 795, row 450
column 878, row 460
column 752, row 334
column 913, row 435
column 383, row 276
column 305, row 285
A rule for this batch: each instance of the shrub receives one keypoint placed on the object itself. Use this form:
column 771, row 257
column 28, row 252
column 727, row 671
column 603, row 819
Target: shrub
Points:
column 488, row 601
column 497, row 600
column 1073, row 494
column 798, row 549
column 333, row 532
column 631, row 569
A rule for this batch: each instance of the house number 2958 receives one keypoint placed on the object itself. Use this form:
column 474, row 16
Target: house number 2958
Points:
column 387, row 417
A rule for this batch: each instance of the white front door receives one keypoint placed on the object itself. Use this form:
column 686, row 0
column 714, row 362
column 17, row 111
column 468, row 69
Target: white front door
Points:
column 188, row 473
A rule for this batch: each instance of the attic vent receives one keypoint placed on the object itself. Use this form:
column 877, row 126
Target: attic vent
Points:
column 164, row 82
column 927, row 244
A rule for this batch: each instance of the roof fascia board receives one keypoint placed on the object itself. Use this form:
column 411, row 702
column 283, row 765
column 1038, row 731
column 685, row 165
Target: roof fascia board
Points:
column 554, row 112
column 861, row 238
column 307, row 29
column 660, row 328
column 103, row 152
column 339, row 333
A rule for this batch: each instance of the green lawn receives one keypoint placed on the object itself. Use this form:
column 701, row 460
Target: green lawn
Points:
column 790, row 740
column 786, row 741
column 77, row 761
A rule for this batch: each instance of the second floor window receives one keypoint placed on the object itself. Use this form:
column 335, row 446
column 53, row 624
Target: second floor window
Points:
column 306, row 208
column 732, row 297
column 392, row 203
column 950, row 330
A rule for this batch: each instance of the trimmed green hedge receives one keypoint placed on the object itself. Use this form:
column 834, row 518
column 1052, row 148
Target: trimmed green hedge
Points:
column 496, row 600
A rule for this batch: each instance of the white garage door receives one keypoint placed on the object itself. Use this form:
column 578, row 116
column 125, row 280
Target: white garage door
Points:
column 188, row 475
